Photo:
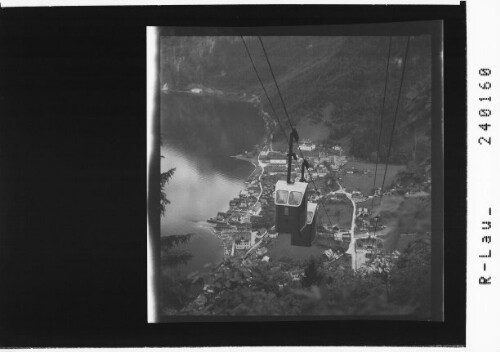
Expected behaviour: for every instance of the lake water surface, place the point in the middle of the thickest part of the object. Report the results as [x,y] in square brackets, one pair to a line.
[199,135]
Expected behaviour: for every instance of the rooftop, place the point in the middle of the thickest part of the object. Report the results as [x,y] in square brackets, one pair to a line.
[276,155]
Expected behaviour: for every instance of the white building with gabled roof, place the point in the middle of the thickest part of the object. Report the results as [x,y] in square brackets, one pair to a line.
[307,145]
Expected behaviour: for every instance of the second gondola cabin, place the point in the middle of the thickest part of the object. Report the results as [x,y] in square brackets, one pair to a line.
[307,232]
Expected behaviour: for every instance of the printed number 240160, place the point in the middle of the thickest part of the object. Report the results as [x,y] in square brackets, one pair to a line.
[485,111]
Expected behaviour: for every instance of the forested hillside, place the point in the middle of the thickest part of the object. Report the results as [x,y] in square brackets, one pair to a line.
[333,86]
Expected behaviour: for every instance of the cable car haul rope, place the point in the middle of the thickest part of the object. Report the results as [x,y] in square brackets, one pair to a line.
[294,213]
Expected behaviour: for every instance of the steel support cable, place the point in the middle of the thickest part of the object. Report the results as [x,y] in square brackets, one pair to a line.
[275,81]
[264,88]
[393,126]
[266,94]
[381,118]
[290,123]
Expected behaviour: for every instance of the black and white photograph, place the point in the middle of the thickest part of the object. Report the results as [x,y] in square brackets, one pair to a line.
[296,175]
[240,174]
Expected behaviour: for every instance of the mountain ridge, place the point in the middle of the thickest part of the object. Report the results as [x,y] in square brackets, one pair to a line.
[333,83]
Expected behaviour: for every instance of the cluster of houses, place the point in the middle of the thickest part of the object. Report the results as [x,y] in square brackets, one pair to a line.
[358,197]
[276,169]
[320,159]
[320,170]
[334,231]
[234,227]
[366,248]
[331,255]
[254,207]
[275,158]
[363,212]
[235,238]
[276,162]
[365,222]
[368,244]
[307,145]
[412,190]
[243,240]
[337,149]
[324,156]
[248,211]
[320,165]
[239,203]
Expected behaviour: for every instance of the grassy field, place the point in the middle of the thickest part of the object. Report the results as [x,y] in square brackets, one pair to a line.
[389,207]
[339,213]
[404,240]
[401,215]
[327,243]
[364,182]
[321,183]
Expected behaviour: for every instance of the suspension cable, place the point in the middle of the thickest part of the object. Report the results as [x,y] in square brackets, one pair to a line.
[275,82]
[393,126]
[381,118]
[263,87]
[291,125]
[266,94]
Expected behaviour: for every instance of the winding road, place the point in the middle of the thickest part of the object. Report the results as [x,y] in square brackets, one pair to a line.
[352,244]
[350,250]
[261,165]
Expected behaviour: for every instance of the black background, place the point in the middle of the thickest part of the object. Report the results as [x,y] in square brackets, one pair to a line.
[73,179]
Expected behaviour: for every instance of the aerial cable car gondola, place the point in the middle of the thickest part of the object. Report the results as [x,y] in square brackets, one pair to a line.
[294,213]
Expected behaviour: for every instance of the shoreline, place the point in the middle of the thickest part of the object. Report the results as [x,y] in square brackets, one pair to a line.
[250,160]
[254,161]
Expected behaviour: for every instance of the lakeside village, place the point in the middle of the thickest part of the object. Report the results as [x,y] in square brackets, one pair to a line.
[249,222]
[246,229]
